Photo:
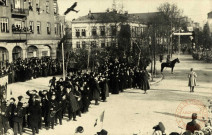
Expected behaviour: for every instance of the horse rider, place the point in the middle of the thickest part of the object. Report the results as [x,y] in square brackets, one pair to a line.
[168,59]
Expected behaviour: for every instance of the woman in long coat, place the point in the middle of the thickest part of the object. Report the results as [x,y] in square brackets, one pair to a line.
[145,85]
[192,80]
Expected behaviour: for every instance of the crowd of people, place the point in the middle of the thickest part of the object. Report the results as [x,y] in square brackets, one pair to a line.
[23,70]
[70,97]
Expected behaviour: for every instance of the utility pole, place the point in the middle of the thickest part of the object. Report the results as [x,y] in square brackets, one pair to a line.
[171,40]
[89,51]
[179,44]
[63,62]
[155,42]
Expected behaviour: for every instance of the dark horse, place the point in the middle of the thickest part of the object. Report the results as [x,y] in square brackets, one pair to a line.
[170,65]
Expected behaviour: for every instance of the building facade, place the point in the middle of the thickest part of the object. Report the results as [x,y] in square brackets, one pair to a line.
[102,29]
[30,28]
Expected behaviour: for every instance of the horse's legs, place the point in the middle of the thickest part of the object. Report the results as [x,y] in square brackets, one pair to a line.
[161,69]
[172,69]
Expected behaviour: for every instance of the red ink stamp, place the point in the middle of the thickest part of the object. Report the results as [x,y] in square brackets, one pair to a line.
[185,110]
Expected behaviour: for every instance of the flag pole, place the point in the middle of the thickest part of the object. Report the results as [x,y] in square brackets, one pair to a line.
[63,62]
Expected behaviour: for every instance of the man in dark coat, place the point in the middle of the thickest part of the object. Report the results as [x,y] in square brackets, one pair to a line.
[61,104]
[145,83]
[103,90]
[45,107]
[85,97]
[193,125]
[34,115]
[5,117]
[72,104]
[11,109]
[95,89]
[53,110]
[18,119]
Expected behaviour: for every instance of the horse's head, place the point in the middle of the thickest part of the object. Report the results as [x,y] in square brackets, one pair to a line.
[177,60]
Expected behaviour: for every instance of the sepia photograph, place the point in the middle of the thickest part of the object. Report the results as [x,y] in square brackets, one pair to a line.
[105,67]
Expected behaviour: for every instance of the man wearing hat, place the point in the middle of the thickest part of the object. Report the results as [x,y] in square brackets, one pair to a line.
[18,117]
[34,114]
[72,104]
[193,125]
[11,109]
[53,110]
[4,117]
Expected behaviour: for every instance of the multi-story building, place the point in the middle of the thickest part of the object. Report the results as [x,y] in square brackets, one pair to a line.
[29,28]
[210,21]
[101,29]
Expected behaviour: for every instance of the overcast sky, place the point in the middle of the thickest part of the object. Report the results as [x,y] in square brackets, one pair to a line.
[195,9]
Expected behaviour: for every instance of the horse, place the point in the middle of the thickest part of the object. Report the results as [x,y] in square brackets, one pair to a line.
[170,65]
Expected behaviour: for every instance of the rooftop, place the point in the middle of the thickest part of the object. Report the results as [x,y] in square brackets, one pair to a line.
[116,17]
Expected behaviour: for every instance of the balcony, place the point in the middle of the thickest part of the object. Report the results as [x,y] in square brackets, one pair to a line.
[19,30]
[19,13]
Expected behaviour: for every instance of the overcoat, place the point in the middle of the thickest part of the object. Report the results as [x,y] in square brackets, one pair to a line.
[72,102]
[192,79]
[145,84]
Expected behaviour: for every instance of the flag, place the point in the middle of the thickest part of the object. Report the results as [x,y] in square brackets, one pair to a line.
[102,116]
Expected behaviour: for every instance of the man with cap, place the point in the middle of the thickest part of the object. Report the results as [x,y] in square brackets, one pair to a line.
[193,125]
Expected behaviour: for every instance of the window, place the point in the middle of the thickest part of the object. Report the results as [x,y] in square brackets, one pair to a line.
[113,30]
[31,26]
[78,44]
[17,3]
[77,32]
[93,44]
[102,30]
[30,5]
[94,32]
[38,27]
[3,2]
[47,7]
[83,33]
[102,44]
[38,6]
[83,44]
[48,28]
[55,7]
[4,25]
[55,29]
